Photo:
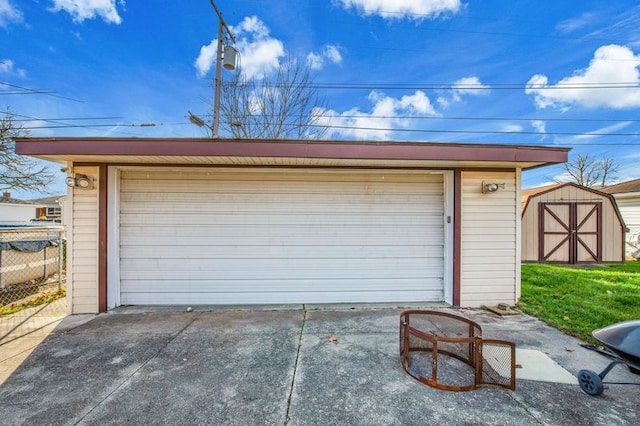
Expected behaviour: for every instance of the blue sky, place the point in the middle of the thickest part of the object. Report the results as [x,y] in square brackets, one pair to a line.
[554,73]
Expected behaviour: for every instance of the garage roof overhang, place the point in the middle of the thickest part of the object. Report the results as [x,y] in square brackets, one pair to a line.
[200,151]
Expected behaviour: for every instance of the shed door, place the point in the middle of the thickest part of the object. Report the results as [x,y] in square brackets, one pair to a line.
[240,237]
[570,232]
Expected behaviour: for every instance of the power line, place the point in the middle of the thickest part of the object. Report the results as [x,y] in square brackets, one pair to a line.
[438,117]
[68,126]
[441,86]
[28,90]
[473,132]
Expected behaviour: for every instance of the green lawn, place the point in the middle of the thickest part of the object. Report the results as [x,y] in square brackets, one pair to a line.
[578,300]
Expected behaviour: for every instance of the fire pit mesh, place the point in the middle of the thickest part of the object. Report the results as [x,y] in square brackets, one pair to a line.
[497,362]
[447,351]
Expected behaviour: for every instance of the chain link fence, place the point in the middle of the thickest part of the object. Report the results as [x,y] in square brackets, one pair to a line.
[31,267]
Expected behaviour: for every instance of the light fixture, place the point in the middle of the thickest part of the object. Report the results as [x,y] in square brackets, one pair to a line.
[489,187]
[195,119]
[80,181]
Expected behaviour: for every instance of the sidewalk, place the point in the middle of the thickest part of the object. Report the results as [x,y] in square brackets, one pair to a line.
[22,332]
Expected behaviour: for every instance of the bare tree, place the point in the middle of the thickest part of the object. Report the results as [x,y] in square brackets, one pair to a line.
[17,171]
[286,107]
[609,169]
[589,171]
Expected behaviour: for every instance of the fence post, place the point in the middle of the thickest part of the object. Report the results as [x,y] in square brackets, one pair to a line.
[60,252]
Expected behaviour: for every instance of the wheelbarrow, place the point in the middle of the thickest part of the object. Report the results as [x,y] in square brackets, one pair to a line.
[622,343]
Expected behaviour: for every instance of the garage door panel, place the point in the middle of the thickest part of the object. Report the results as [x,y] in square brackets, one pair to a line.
[262,298]
[406,219]
[296,237]
[311,206]
[289,241]
[214,196]
[207,251]
[220,286]
[284,269]
[391,233]
[287,181]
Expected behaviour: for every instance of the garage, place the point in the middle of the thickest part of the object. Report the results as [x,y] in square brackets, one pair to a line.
[241,236]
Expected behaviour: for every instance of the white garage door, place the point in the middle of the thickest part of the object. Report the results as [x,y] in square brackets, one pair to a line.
[241,237]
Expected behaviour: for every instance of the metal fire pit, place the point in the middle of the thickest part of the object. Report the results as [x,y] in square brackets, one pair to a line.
[446,351]
[623,343]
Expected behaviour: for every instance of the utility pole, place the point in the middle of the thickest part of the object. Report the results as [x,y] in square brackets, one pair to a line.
[222,25]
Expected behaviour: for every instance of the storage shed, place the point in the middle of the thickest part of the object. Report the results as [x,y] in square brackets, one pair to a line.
[569,223]
[202,221]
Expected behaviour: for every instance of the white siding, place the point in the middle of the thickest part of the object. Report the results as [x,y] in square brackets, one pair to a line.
[629,207]
[16,214]
[228,237]
[489,238]
[82,273]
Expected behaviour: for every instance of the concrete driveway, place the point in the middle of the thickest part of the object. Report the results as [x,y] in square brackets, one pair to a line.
[275,367]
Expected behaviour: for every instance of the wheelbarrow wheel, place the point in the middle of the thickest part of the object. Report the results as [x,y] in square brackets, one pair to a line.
[590,382]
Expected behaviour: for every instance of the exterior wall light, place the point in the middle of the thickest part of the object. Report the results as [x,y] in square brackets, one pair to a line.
[80,181]
[489,187]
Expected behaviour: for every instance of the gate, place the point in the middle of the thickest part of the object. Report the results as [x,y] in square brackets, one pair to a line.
[570,232]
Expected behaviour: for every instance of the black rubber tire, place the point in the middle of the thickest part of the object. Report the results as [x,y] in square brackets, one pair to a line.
[634,370]
[590,382]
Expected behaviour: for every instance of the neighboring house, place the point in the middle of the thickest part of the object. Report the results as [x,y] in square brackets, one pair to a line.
[569,223]
[16,212]
[202,221]
[627,195]
[51,209]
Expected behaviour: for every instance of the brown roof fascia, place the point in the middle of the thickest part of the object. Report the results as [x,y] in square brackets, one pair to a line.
[289,148]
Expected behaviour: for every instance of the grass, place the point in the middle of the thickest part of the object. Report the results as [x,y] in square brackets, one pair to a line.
[41,299]
[578,300]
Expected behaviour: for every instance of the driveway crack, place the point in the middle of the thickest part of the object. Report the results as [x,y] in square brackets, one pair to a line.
[130,376]
[528,409]
[295,365]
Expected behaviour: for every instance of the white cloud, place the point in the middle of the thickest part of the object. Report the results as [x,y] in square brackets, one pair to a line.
[259,52]
[576,23]
[8,67]
[466,86]
[329,53]
[603,130]
[539,126]
[8,13]
[611,65]
[90,9]
[398,9]
[378,124]
[206,58]
[511,128]
[332,53]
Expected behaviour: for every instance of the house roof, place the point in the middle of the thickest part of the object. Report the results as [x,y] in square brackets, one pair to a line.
[53,200]
[11,200]
[628,186]
[201,151]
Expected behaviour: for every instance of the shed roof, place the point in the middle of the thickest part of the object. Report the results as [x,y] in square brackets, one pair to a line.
[201,151]
[526,193]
